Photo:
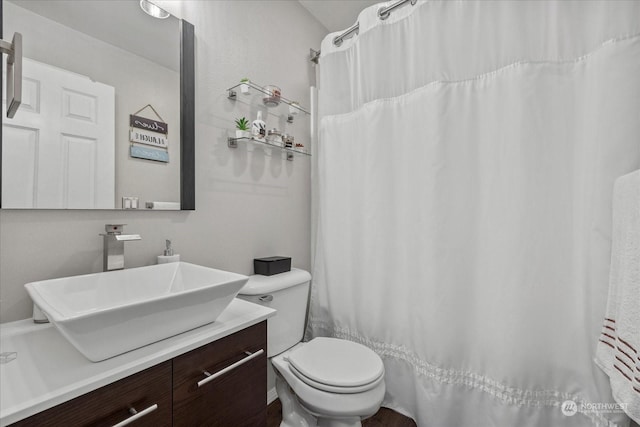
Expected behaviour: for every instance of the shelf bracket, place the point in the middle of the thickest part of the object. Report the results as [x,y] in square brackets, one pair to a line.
[314,55]
[232,94]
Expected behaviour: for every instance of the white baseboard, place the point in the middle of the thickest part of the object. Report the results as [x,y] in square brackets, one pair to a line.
[271,395]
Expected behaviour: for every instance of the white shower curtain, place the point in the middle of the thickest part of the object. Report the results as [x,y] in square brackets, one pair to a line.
[462,187]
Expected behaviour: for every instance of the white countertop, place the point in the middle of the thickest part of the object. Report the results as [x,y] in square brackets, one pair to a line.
[48,370]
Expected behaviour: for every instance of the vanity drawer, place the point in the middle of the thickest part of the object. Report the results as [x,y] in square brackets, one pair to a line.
[234,397]
[110,405]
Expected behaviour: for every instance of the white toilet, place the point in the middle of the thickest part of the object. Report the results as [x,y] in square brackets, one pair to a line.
[326,382]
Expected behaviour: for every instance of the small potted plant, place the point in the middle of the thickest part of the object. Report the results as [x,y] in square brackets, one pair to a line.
[242,128]
[244,87]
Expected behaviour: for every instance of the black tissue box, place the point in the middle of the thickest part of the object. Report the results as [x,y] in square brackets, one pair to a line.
[271,265]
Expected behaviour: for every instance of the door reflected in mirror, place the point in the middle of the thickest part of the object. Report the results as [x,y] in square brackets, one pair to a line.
[88,66]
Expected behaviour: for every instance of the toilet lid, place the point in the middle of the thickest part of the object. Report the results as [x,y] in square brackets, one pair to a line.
[336,362]
[336,389]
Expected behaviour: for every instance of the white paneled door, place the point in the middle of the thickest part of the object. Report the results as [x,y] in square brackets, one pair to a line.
[59,150]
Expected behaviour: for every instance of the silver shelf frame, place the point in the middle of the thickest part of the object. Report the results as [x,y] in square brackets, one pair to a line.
[291,152]
[232,94]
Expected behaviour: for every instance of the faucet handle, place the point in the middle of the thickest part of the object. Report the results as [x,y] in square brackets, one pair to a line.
[115,231]
[114,228]
[126,237]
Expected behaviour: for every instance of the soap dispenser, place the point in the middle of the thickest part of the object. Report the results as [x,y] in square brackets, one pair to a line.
[259,127]
[168,255]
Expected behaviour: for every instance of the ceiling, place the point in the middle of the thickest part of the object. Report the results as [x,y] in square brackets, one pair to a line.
[121,23]
[96,19]
[336,15]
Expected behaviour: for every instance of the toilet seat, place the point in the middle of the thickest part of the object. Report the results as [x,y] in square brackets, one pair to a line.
[336,365]
[335,389]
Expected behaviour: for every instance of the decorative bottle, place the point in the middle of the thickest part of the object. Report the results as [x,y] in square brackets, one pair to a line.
[259,127]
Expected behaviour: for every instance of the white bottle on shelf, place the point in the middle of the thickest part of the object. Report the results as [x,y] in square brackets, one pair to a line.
[259,127]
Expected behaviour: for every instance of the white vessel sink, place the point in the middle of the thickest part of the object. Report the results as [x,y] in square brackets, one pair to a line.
[106,314]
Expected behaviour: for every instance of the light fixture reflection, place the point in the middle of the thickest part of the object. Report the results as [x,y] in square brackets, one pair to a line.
[153,10]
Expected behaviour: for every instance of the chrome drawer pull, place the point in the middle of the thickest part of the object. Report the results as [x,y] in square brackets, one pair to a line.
[135,415]
[211,377]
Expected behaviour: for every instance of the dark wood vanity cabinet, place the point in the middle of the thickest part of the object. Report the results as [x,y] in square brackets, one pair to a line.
[235,396]
[112,404]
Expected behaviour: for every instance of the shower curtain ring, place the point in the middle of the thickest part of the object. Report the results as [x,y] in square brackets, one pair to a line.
[383,14]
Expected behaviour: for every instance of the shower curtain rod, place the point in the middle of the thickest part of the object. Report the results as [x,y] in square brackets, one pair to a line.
[383,13]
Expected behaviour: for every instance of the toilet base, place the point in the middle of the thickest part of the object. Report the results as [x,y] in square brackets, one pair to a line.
[293,414]
[296,415]
[347,422]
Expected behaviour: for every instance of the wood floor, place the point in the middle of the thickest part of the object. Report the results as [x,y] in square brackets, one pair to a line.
[383,418]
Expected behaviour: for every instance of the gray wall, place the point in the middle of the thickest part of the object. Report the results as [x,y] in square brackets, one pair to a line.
[249,203]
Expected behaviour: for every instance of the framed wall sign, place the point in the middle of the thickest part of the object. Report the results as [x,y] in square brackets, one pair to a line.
[148,124]
[148,132]
[141,136]
[149,153]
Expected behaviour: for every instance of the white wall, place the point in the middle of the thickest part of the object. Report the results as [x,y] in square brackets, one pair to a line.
[248,203]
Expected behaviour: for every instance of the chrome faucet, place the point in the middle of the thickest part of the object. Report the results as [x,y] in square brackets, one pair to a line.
[113,252]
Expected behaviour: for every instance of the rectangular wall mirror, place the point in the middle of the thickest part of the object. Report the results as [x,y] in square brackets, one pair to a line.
[107,113]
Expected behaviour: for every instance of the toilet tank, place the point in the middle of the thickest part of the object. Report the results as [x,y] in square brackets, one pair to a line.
[288,293]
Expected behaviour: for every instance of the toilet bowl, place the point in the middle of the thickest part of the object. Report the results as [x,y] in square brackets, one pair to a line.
[333,393]
[326,382]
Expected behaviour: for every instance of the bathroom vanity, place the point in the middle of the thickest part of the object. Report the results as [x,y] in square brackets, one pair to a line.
[173,382]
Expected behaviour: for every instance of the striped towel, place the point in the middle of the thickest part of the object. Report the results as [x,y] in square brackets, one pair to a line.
[618,349]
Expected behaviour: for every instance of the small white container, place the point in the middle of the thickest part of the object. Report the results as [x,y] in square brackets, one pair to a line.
[168,255]
[242,133]
[164,259]
[273,99]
